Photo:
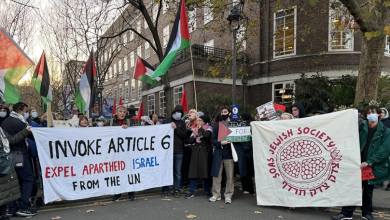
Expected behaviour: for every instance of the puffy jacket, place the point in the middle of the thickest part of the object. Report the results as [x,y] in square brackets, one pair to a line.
[180,131]
[378,152]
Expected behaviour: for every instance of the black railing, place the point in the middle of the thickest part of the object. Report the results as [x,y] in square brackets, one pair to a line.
[201,51]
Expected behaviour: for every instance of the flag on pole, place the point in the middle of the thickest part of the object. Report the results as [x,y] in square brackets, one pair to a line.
[86,92]
[184,102]
[179,40]
[41,80]
[114,109]
[120,101]
[13,64]
[140,114]
[143,70]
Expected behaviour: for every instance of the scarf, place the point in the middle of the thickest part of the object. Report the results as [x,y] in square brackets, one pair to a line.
[206,127]
[4,140]
[191,124]
[18,116]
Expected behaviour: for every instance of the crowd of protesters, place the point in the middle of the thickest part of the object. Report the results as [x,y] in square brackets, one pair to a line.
[199,161]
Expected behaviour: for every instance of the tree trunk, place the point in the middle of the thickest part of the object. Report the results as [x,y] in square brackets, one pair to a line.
[370,67]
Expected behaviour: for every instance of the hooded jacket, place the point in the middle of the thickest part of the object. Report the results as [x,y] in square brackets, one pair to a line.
[180,132]
[386,121]
[302,113]
[2,119]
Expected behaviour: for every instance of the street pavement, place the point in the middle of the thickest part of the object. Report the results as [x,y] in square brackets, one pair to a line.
[149,205]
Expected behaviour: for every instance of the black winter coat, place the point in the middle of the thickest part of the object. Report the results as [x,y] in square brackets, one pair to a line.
[202,156]
[180,131]
[13,126]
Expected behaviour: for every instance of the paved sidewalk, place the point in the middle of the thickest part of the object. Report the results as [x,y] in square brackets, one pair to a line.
[381,198]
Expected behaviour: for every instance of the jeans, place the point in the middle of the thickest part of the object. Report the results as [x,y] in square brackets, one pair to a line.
[26,182]
[367,202]
[177,162]
[206,185]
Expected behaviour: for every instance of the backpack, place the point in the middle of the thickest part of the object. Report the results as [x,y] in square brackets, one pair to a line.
[127,122]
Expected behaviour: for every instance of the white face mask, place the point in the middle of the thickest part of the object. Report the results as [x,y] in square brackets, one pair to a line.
[100,124]
[34,114]
[25,115]
[3,114]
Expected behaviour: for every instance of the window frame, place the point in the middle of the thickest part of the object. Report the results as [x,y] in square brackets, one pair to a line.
[165,36]
[295,34]
[174,93]
[147,50]
[151,111]
[283,88]
[330,31]
[163,104]
[192,20]
[209,12]
[132,59]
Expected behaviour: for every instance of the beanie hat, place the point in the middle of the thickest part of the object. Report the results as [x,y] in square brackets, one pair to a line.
[205,119]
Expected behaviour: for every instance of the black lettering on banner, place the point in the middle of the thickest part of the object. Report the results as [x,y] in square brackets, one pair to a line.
[81,142]
[51,149]
[74,185]
[71,150]
[133,178]
[145,148]
[138,143]
[152,142]
[98,146]
[120,142]
[82,185]
[90,148]
[128,142]
[163,144]
[112,146]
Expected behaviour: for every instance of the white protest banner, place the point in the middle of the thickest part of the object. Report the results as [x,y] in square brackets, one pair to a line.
[80,163]
[308,162]
[267,112]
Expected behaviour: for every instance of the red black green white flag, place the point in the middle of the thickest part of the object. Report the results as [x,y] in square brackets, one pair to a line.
[13,64]
[179,40]
[143,71]
[86,92]
[140,114]
[41,80]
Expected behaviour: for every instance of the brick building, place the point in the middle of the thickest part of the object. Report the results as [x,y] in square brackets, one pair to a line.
[288,41]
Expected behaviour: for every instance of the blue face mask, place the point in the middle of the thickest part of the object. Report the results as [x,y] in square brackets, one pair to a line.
[372,117]
[34,114]
[176,116]
[3,114]
[26,115]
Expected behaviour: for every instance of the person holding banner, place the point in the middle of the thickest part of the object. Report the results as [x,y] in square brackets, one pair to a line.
[83,121]
[374,149]
[179,134]
[223,158]
[119,120]
[201,156]
[13,125]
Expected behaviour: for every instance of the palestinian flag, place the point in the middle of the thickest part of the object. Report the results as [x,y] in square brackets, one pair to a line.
[140,114]
[41,80]
[179,40]
[143,70]
[13,64]
[86,92]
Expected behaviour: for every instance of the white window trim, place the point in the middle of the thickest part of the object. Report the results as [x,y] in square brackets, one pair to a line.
[150,111]
[161,109]
[192,20]
[329,34]
[165,44]
[206,21]
[295,34]
[174,94]
[147,50]
[387,53]
[284,83]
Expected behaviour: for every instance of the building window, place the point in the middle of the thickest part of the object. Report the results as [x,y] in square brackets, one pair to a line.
[166,36]
[235,2]
[120,65]
[165,6]
[209,47]
[139,27]
[124,39]
[155,12]
[145,24]
[115,92]
[192,21]
[340,31]
[109,73]
[147,50]
[151,104]
[208,12]
[177,94]
[241,38]
[131,35]
[139,51]
[283,92]
[133,91]
[126,91]
[126,64]
[114,73]
[120,90]
[387,49]
[285,32]
[163,107]
[139,90]
[132,59]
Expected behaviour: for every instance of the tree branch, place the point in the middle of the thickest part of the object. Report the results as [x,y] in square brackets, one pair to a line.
[356,11]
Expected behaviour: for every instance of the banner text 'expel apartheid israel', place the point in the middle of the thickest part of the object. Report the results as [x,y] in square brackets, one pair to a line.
[80,163]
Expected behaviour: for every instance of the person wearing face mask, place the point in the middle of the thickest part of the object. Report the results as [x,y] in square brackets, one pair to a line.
[223,160]
[178,144]
[34,115]
[384,119]
[374,152]
[15,123]
[4,114]
[100,121]
[298,111]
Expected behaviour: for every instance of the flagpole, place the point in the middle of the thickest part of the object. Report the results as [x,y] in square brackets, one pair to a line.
[193,76]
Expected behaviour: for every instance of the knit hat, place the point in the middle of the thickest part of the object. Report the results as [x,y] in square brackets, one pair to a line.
[200,113]
[101,118]
[205,118]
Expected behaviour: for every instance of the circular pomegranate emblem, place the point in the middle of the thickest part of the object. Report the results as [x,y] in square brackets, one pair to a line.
[305,163]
